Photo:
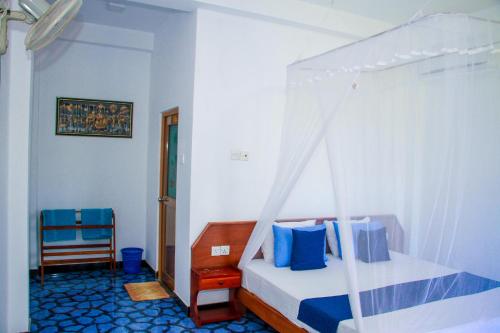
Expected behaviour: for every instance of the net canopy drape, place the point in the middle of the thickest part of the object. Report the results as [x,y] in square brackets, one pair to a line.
[411,121]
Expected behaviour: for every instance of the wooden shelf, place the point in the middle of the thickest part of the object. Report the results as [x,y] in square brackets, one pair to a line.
[77,246]
[75,250]
[217,314]
[75,261]
[73,253]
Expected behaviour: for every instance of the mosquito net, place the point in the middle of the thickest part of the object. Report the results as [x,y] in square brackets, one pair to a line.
[411,122]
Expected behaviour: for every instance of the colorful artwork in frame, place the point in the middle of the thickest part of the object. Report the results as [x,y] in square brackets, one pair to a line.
[93,117]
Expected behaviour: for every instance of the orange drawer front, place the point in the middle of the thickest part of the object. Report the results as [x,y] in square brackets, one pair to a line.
[220,283]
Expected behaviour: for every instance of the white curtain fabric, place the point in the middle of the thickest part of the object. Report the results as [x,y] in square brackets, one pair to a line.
[411,120]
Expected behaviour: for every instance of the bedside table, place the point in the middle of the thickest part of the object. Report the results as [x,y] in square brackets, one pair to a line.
[211,279]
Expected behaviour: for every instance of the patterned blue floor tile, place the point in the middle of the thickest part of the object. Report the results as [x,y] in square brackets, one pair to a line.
[95,301]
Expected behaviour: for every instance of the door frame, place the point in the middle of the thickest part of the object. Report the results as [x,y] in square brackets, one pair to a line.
[163,172]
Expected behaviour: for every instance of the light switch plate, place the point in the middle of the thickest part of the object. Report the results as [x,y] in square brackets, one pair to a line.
[215,251]
[224,250]
[235,155]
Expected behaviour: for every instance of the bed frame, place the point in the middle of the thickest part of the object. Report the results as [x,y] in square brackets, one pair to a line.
[267,313]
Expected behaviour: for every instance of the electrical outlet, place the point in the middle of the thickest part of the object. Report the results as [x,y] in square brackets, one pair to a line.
[237,155]
[215,251]
[224,250]
[244,156]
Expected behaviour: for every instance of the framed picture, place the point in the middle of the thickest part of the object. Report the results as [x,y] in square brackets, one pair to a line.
[94,117]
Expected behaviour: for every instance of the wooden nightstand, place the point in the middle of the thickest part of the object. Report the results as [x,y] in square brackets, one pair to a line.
[210,279]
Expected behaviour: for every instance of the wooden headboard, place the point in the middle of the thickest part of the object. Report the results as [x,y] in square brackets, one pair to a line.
[234,234]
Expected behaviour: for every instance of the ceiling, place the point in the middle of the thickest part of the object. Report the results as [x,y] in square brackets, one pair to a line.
[123,14]
[400,11]
[136,16]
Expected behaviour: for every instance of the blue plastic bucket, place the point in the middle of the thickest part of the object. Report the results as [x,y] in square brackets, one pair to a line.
[132,258]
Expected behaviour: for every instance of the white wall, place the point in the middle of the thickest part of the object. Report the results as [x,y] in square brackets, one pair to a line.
[15,101]
[172,79]
[239,88]
[87,172]
[3,190]
[239,105]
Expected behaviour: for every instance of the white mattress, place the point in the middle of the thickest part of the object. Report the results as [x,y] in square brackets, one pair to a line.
[284,289]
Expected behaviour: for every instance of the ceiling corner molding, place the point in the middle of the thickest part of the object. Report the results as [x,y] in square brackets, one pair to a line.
[293,12]
[96,34]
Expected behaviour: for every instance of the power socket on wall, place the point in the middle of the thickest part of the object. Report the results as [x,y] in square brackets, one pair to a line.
[222,250]
[215,251]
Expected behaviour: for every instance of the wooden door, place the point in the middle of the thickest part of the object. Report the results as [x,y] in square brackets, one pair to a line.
[167,198]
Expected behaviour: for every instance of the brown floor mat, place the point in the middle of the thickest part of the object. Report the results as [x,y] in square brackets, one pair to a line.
[146,291]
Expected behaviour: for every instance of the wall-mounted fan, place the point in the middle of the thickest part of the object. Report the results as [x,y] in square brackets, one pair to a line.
[48,20]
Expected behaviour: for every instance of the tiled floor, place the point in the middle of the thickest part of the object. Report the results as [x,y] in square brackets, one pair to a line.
[95,301]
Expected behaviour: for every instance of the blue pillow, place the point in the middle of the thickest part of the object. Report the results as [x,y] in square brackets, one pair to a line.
[283,244]
[337,234]
[313,228]
[308,248]
[372,245]
[356,228]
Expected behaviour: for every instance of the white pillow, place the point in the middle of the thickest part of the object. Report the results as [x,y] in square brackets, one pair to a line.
[268,245]
[332,238]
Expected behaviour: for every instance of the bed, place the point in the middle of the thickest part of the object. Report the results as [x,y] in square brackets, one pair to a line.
[275,294]
[283,290]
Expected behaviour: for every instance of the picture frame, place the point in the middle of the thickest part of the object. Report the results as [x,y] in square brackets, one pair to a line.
[94,117]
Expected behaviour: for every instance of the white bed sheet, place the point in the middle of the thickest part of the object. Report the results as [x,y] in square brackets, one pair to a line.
[284,289]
